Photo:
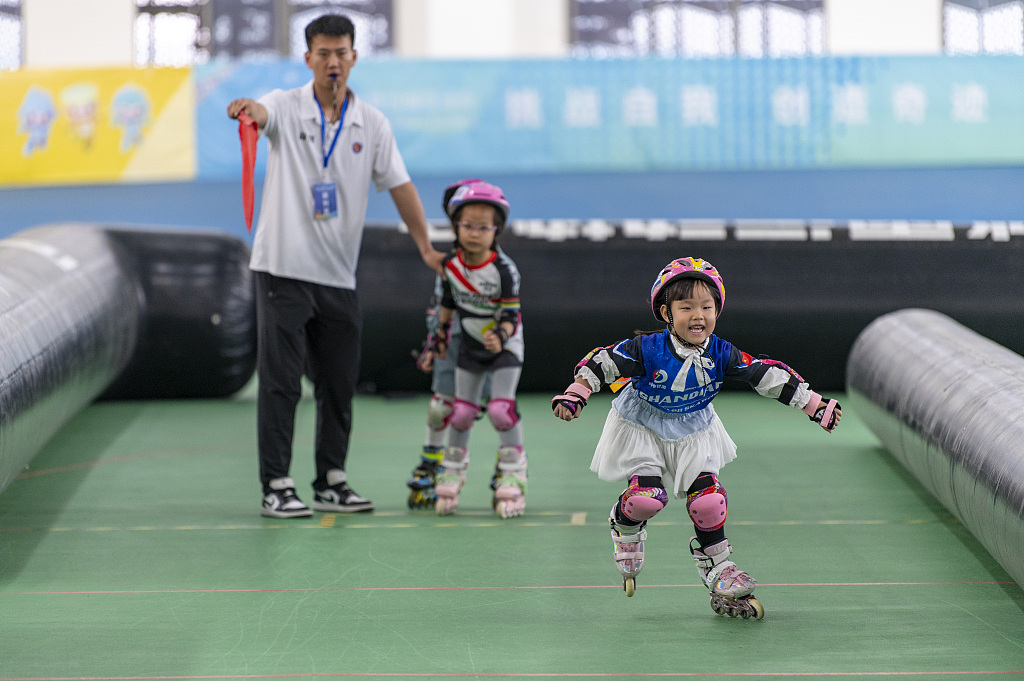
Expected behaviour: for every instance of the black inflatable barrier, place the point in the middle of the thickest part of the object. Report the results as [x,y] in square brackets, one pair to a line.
[198,321]
[87,310]
[798,291]
[947,403]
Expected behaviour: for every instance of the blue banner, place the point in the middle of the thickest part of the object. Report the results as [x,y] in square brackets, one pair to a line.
[468,117]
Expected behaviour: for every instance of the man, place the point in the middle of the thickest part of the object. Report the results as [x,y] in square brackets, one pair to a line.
[325,149]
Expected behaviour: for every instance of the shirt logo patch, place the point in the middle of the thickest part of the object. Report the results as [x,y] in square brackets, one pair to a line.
[357,147]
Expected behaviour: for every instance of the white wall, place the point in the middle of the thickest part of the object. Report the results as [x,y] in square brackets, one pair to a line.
[78,33]
[883,27]
[481,29]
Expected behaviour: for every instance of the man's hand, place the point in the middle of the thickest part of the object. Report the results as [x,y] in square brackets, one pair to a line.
[433,259]
[256,111]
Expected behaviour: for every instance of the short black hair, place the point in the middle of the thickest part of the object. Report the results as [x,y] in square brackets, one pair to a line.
[334,25]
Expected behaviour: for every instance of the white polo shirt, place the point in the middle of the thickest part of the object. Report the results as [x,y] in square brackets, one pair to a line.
[289,241]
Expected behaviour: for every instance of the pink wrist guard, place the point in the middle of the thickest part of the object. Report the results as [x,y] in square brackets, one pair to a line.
[577,389]
[812,404]
[574,398]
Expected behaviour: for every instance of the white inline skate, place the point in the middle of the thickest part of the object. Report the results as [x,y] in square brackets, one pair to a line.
[449,480]
[509,483]
[731,588]
[629,551]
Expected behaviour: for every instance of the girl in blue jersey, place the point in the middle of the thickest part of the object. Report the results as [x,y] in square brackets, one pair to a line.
[481,294]
[662,434]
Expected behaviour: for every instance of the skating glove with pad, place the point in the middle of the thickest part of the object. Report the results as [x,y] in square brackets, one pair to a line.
[574,399]
[826,413]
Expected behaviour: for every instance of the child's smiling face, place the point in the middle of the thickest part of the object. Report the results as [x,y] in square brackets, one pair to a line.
[693,317]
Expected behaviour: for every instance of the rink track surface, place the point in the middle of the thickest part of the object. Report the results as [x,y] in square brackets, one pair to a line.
[132,548]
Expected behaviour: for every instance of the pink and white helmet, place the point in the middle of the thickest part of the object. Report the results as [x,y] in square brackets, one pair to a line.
[449,191]
[476,191]
[686,267]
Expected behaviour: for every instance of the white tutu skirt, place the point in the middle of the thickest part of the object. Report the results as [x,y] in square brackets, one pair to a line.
[627,449]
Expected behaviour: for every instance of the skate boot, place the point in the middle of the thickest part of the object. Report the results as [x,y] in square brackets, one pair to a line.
[496,476]
[449,480]
[628,541]
[730,587]
[421,483]
[510,486]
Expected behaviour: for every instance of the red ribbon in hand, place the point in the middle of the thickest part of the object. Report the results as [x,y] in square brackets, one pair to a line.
[248,133]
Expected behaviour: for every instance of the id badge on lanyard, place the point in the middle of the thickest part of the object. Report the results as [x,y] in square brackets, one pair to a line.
[325,193]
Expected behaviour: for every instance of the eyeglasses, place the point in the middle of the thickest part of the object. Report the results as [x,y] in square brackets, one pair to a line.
[476,228]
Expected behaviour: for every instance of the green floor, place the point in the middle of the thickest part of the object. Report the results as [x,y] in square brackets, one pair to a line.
[133,548]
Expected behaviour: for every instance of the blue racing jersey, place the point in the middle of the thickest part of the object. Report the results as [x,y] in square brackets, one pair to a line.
[668,387]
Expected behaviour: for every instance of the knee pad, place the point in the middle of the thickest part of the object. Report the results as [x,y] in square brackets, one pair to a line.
[643,499]
[463,414]
[708,505]
[503,413]
[439,412]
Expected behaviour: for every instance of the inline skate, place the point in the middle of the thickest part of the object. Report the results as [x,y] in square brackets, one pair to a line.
[731,588]
[421,482]
[450,478]
[509,482]
[628,541]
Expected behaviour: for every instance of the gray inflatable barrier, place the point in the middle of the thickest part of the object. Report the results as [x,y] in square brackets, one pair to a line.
[89,311]
[949,404]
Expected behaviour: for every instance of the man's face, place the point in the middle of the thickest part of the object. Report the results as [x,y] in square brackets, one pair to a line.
[331,56]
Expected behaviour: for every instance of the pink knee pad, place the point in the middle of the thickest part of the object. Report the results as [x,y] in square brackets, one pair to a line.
[640,502]
[503,413]
[463,414]
[708,507]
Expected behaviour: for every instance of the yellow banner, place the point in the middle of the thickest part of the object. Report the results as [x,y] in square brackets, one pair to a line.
[97,125]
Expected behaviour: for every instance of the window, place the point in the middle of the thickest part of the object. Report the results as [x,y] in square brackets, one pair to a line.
[372,19]
[697,28]
[10,34]
[983,26]
[167,33]
[187,32]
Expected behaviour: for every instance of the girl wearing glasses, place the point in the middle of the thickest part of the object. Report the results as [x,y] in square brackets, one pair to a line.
[481,284]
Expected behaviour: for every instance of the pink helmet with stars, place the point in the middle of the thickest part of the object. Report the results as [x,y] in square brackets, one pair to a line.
[686,267]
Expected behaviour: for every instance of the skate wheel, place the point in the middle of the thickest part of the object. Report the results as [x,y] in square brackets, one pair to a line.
[417,499]
[717,607]
[444,506]
[629,585]
[758,608]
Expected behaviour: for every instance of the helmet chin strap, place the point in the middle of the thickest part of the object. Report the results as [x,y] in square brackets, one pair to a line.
[672,330]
